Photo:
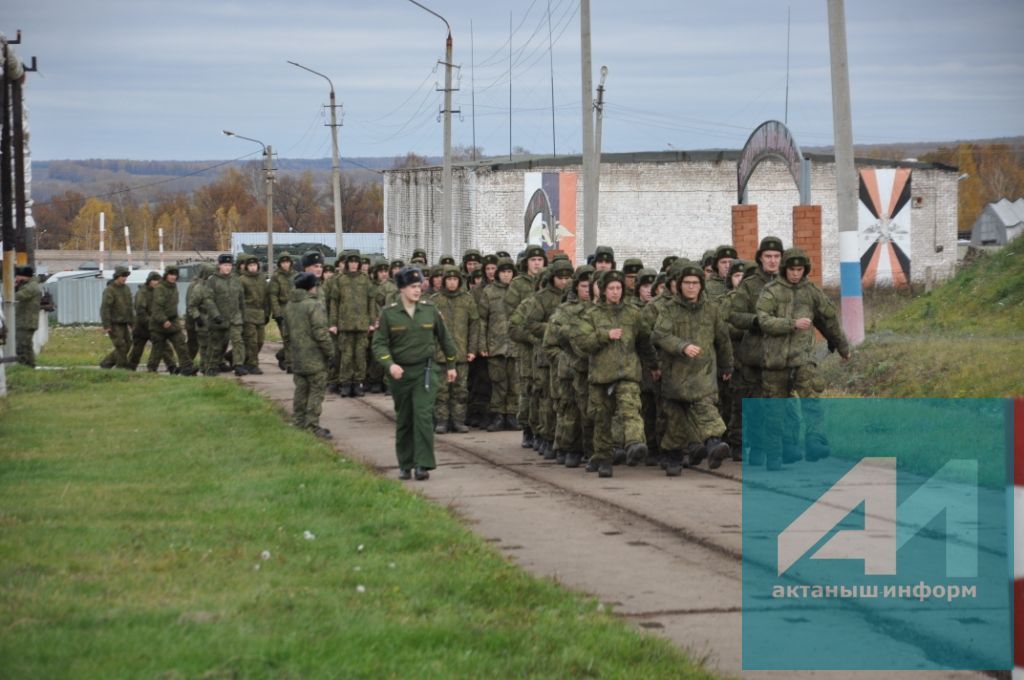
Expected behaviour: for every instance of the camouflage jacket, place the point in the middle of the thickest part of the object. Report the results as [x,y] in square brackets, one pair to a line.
[281,285]
[681,323]
[494,314]
[143,299]
[462,320]
[256,298]
[743,315]
[780,305]
[521,289]
[536,316]
[163,306]
[27,300]
[715,287]
[116,306]
[227,300]
[352,306]
[557,338]
[311,344]
[198,302]
[613,360]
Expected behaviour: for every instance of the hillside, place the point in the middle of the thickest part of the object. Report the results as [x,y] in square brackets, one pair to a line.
[963,339]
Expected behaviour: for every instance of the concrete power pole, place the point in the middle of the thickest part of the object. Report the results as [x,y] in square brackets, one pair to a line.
[446,170]
[269,168]
[589,190]
[595,166]
[852,300]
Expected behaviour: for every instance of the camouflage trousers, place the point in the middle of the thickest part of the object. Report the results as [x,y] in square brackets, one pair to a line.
[285,353]
[781,427]
[374,370]
[649,412]
[23,347]
[192,338]
[121,339]
[352,346]
[569,411]
[219,339]
[252,337]
[479,389]
[610,403]
[308,399]
[452,397]
[542,412]
[689,422]
[165,340]
[524,362]
[504,376]
[745,384]
[140,337]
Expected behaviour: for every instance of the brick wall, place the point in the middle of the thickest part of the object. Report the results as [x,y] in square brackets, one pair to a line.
[807,236]
[745,230]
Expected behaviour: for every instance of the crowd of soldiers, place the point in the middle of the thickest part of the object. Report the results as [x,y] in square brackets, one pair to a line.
[596,365]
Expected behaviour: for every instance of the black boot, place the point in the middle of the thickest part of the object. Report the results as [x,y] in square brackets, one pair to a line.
[817,447]
[254,370]
[511,422]
[673,463]
[604,469]
[241,370]
[458,426]
[560,456]
[497,423]
[549,451]
[527,442]
[422,474]
[537,443]
[695,454]
[618,456]
[357,389]
[572,459]
[404,473]
[441,427]
[591,465]
[636,454]
[718,451]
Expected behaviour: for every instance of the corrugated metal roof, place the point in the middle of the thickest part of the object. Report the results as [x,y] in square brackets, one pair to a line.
[1010,214]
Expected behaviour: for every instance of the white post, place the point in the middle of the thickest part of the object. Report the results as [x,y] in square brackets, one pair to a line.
[103,228]
[160,232]
[128,245]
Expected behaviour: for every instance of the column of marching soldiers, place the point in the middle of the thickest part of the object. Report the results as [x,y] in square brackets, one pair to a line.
[596,366]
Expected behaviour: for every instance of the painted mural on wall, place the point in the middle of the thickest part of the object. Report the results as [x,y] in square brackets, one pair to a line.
[549,202]
[884,226]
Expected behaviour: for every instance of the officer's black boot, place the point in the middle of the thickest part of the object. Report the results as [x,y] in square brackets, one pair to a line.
[404,473]
[572,459]
[717,452]
[511,422]
[636,454]
[817,447]
[497,423]
[422,474]
[673,461]
[527,442]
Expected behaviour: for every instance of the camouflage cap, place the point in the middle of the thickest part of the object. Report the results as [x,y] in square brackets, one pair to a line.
[471,255]
[365,260]
[397,263]
[306,281]
[225,258]
[121,271]
[330,268]
[506,263]
[769,243]
[379,263]
[691,269]
[604,254]
[707,258]
[582,273]
[646,275]
[446,260]
[794,257]
[667,262]
[535,251]
[724,251]
[632,265]
[744,267]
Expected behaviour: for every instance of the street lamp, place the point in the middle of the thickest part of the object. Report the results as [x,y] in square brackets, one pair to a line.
[335,167]
[446,168]
[268,168]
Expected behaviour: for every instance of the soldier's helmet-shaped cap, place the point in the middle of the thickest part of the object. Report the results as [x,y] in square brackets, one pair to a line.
[225,258]
[171,270]
[646,275]
[450,271]
[707,258]
[535,251]
[329,268]
[284,256]
[351,255]
[691,269]
[794,257]
[503,253]
[446,260]
[582,273]
[604,254]
[379,263]
[155,276]
[632,265]
[667,262]
[471,255]
[121,271]
[418,255]
[311,258]
[769,243]
[560,268]
[724,251]
[398,263]
[490,259]
[506,263]
[305,281]
[408,276]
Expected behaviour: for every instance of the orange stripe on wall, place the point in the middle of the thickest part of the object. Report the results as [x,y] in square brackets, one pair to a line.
[871,183]
[567,212]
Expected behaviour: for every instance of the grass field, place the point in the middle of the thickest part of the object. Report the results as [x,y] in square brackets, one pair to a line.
[176,527]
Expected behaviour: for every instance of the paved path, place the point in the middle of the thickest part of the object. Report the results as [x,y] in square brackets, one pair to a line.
[661,552]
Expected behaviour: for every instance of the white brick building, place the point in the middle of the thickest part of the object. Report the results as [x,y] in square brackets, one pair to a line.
[653,204]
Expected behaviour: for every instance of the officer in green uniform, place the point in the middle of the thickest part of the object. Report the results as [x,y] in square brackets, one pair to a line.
[312,352]
[118,318]
[28,299]
[406,339]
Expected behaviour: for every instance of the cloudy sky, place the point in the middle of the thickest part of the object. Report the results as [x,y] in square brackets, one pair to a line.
[154,79]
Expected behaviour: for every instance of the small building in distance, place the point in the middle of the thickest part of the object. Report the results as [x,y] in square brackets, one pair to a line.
[999,223]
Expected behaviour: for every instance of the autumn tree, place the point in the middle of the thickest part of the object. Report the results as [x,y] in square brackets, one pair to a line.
[226,222]
[84,230]
[53,218]
[297,201]
[229,191]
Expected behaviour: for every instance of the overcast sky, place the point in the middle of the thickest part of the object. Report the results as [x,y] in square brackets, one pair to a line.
[149,79]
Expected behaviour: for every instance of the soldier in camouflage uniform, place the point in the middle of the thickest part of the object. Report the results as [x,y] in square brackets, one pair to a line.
[537,312]
[117,317]
[715,285]
[312,351]
[706,261]
[738,270]
[750,360]
[383,286]
[651,312]
[281,284]
[574,429]
[522,288]
[462,319]
[140,331]
[256,312]
[649,392]
[630,268]
[615,337]
[165,328]
[197,304]
[226,305]
[692,337]
[604,258]
[788,310]
[351,310]
[418,257]
[28,299]
[479,373]
[497,347]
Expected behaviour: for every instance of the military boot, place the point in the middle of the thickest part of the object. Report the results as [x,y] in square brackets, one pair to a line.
[405,474]
[817,447]
[791,452]
[497,423]
[717,452]
[511,422]
[422,474]
[537,444]
[527,442]
[604,469]
[591,465]
[254,370]
[549,451]
[653,457]
[673,463]
[357,389]
[560,456]
[572,459]
[636,454]
[241,370]
[694,455]
[441,427]
[458,426]
[618,456]
[321,432]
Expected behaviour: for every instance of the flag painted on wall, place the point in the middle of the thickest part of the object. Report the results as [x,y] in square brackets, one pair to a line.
[549,203]
[884,226]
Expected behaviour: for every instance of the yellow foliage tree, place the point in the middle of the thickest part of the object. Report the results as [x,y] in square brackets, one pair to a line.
[226,222]
[84,230]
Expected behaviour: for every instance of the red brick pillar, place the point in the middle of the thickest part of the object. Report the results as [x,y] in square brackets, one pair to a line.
[807,236]
[744,230]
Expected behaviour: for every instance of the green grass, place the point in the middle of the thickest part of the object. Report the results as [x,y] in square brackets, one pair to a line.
[134,510]
[75,346]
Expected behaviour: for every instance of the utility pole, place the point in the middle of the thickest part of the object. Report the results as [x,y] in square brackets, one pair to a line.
[599,111]
[269,169]
[852,301]
[335,165]
[551,64]
[472,83]
[589,190]
[510,85]
[6,221]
